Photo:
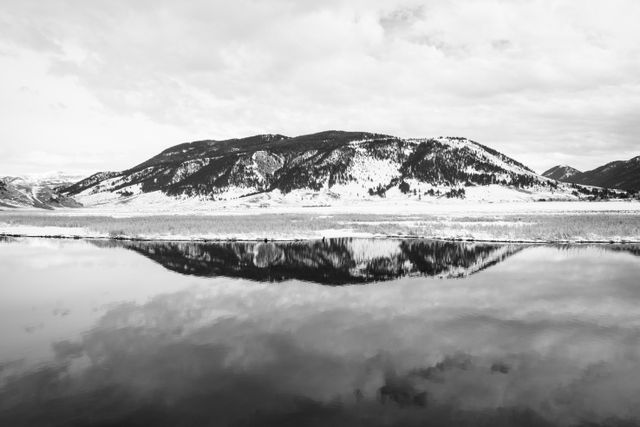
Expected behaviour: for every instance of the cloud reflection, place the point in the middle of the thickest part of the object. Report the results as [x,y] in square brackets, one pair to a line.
[506,347]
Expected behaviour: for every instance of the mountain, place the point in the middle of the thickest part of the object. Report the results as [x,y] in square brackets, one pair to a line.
[329,165]
[38,191]
[620,174]
[561,173]
[331,262]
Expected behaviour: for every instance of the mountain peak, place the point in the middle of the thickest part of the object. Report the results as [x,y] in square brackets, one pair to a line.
[561,172]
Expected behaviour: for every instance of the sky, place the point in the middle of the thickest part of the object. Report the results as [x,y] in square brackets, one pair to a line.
[92,85]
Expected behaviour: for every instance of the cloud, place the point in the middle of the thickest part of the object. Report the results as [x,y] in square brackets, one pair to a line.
[532,80]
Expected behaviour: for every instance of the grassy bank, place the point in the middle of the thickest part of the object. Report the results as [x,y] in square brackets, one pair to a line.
[511,227]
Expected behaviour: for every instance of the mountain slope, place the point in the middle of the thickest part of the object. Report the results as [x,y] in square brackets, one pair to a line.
[620,174]
[335,164]
[561,173]
[36,191]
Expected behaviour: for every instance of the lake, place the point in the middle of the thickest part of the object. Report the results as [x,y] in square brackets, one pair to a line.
[342,332]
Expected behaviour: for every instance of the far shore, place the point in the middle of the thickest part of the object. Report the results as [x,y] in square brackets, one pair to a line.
[285,240]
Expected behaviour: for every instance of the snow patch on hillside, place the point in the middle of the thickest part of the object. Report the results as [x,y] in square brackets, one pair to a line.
[481,153]
[365,168]
[188,168]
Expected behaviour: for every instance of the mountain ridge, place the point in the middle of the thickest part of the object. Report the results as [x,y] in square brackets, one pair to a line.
[342,164]
[622,174]
[315,169]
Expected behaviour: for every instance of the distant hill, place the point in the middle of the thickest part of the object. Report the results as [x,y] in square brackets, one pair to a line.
[319,169]
[620,174]
[561,173]
[38,191]
[336,164]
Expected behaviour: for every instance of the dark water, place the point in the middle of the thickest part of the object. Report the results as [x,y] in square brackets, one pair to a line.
[337,333]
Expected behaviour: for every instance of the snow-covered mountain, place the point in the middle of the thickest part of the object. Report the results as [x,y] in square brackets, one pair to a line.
[39,191]
[324,166]
[623,174]
[561,173]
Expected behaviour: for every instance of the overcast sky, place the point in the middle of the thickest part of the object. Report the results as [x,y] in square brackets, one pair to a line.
[90,85]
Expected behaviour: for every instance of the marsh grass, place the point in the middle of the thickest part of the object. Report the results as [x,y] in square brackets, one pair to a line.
[543,227]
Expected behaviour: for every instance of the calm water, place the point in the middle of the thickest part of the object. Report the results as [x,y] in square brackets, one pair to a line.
[345,332]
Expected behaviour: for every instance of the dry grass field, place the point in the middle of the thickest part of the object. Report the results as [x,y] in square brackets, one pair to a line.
[601,227]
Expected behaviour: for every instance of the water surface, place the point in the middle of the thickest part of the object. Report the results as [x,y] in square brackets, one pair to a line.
[341,332]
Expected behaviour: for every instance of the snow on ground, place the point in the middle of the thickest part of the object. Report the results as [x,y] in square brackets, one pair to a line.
[499,193]
[48,231]
[480,201]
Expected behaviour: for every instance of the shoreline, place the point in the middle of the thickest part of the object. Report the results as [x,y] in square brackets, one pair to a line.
[309,239]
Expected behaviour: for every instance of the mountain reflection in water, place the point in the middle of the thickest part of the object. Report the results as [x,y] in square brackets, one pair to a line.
[332,262]
[550,336]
